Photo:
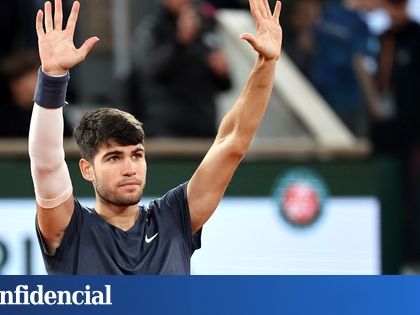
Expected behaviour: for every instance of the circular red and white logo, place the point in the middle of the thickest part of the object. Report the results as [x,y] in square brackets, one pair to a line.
[300,203]
[301,194]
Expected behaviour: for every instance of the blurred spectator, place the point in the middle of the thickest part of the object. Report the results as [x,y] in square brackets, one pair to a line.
[339,69]
[21,72]
[181,69]
[17,25]
[299,38]
[17,31]
[399,84]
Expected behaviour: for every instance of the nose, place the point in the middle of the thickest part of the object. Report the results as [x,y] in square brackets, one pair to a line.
[129,168]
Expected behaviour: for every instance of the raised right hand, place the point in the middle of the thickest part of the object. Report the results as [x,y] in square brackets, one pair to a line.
[56,48]
[268,39]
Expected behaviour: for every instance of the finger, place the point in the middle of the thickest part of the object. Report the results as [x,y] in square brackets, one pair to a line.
[71,23]
[254,9]
[48,17]
[39,29]
[277,10]
[250,39]
[58,15]
[262,5]
[267,7]
[87,46]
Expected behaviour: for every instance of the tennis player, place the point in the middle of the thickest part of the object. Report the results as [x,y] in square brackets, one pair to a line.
[118,236]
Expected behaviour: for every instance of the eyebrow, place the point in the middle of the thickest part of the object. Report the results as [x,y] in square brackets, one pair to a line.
[119,153]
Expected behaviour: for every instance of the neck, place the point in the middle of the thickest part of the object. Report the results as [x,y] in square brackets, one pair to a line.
[122,217]
[400,25]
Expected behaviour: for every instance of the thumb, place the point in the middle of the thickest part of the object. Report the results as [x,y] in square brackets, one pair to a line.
[88,45]
[250,39]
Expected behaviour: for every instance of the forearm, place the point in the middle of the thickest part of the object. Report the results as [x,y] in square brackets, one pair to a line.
[368,87]
[242,121]
[48,168]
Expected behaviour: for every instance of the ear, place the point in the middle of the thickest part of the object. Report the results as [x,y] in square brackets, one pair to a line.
[86,168]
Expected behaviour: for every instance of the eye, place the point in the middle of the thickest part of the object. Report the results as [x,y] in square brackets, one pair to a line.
[114,158]
[138,156]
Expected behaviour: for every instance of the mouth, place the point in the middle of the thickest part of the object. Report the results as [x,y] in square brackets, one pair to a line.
[130,183]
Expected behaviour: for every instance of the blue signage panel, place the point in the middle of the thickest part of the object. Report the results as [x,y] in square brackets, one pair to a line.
[209,295]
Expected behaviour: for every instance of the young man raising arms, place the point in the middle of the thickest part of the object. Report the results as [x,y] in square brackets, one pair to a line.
[117,236]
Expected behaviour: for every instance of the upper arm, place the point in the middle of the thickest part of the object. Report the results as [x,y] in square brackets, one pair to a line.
[53,222]
[209,182]
[54,198]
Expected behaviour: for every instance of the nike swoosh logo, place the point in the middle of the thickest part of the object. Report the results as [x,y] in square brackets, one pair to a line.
[148,240]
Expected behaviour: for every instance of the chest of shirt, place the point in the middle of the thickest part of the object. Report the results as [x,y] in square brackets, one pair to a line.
[152,246]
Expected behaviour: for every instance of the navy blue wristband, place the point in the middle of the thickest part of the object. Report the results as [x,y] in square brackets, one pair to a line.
[50,92]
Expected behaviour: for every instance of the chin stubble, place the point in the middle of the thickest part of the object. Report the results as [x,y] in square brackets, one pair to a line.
[119,200]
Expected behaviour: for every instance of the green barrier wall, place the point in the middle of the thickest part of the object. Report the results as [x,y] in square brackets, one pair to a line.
[364,177]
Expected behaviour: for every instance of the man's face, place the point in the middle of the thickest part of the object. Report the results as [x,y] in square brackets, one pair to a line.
[397,12]
[23,88]
[306,14]
[366,5]
[175,5]
[119,174]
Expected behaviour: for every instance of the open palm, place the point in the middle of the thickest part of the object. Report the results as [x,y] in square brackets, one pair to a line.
[56,48]
[267,41]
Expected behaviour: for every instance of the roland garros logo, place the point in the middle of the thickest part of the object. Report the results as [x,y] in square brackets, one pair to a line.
[300,194]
